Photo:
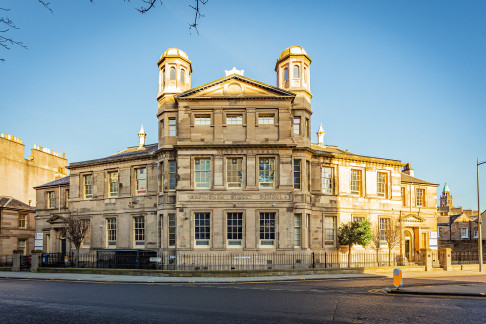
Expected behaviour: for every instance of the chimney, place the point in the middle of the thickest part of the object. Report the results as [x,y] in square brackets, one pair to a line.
[320,136]
[407,169]
[141,136]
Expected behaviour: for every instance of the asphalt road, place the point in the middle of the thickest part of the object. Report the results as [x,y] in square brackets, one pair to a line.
[332,300]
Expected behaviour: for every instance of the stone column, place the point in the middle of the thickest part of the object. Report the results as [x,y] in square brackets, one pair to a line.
[36,260]
[17,255]
[426,258]
[446,259]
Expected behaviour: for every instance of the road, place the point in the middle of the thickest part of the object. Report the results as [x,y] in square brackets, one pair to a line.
[322,301]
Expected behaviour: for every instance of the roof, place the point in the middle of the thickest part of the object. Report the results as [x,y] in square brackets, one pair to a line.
[410,179]
[12,203]
[58,182]
[128,154]
[330,149]
[281,92]
[446,188]
[292,50]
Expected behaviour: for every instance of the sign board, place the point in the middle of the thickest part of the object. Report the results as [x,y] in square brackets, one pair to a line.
[171,257]
[38,243]
[155,259]
[433,240]
[397,278]
[241,257]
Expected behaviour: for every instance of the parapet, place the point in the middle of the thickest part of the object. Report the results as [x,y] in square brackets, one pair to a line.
[11,138]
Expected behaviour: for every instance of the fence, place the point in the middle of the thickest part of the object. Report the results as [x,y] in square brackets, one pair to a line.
[6,260]
[140,259]
[466,257]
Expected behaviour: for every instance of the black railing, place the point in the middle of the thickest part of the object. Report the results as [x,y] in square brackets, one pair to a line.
[466,257]
[6,260]
[141,259]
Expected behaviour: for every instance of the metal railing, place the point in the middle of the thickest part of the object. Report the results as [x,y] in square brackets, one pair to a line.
[465,257]
[140,259]
[6,260]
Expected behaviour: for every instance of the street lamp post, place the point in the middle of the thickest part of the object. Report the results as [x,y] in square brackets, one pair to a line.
[480,236]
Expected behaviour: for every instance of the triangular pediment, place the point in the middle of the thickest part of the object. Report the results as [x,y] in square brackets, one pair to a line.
[235,86]
[412,218]
[463,218]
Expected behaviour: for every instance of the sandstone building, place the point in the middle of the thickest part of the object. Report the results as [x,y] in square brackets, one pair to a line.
[19,176]
[17,226]
[234,170]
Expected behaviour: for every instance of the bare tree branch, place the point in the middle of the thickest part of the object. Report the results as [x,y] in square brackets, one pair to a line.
[197,14]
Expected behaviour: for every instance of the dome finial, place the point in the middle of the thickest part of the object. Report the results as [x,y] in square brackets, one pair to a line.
[320,136]
[446,188]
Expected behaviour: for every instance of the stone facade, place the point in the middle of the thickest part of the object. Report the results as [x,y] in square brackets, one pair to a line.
[20,175]
[17,225]
[234,170]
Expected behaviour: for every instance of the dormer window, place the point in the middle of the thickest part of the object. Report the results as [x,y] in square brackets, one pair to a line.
[182,75]
[296,72]
[172,73]
[286,74]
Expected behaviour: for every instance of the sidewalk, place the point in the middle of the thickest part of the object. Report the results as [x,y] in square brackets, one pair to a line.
[158,279]
[462,290]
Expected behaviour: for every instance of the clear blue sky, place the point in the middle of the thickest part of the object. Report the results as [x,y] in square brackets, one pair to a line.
[395,79]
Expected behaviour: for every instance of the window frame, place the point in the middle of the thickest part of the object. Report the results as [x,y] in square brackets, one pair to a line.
[182,76]
[297,233]
[172,174]
[204,229]
[23,247]
[50,199]
[384,183]
[139,230]
[403,193]
[230,119]
[202,174]
[235,229]
[266,119]
[202,120]
[272,184]
[358,181]
[86,242]
[383,222]
[231,177]
[267,227]
[330,231]
[139,190]
[297,173]
[87,195]
[172,126]
[296,71]
[111,231]
[171,229]
[66,198]
[466,231]
[23,221]
[172,73]
[286,74]
[296,125]
[420,198]
[324,188]
[111,185]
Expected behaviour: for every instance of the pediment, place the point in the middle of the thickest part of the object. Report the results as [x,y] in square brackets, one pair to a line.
[235,86]
[412,218]
[463,218]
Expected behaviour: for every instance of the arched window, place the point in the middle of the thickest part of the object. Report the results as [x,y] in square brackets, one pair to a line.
[172,73]
[286,74]
[305,75]
[163,76]
[182,75]
[296,72]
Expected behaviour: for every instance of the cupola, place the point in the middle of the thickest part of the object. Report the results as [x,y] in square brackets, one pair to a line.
[175,70]
[293,71]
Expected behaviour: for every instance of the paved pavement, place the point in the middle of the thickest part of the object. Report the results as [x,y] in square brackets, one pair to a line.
[467,290]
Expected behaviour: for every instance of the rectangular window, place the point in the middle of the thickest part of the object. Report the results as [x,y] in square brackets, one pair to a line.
[381,184]
[329,230]
[202,228]
[111,231]
[66,198]
[356,182]
[267,172]
[420,194]
[172,230]
[475,234]
[202,120]
[139,230]
[307,127]
[160,177]
[141,184]
[88,186]
[234,172]
[87,235]
[22,221]
[296,126]
[234,228]
[327,180]
[266,119]
[297,229]
[113,184]
[234,119]
[383,228]
[308,170]
[172,175]
[22,246]
[267,229]
[297,174]
[51,200]
[404,199]
[172,127]
[358,218]
[464,232]
[202,173]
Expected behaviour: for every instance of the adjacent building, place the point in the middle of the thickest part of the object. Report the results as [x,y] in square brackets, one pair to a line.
[17,226]
[234,171]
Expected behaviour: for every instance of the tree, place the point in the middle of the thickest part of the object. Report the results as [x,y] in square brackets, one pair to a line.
[376,240]
[392,235]
[75,230]
[357,232]
[7,25]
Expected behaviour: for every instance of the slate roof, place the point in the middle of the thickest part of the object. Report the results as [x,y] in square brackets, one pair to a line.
[11,203]
[410,179]
[447,220]
[58,182]
[128,154]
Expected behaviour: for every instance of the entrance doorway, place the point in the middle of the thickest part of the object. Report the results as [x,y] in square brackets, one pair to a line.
[408,245]
[63,247]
